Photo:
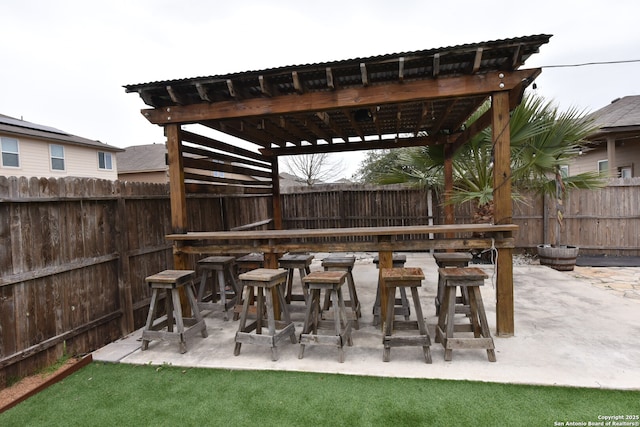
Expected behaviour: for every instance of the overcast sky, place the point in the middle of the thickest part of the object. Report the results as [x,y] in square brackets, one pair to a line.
[64,62]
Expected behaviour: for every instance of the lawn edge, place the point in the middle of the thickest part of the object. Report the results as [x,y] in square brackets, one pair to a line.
[50,381]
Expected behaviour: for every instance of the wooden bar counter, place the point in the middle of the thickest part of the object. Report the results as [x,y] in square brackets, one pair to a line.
[384,240]
[381,239]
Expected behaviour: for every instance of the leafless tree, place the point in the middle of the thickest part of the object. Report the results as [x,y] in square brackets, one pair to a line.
[314,168]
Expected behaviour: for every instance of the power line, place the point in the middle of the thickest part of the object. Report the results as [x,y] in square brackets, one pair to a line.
[584,64]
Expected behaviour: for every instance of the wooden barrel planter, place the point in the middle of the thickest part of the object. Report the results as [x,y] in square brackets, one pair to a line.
[561,258]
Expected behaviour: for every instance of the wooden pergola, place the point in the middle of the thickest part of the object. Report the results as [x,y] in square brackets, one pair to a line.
[389,101]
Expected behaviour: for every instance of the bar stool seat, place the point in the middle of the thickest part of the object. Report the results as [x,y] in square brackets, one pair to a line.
[400,278]
[452,259]
[170,281]
[293,262]
[260,283]
[330,282]
[346,264]
[470,278]
[221,270]
[250,262]
[401,305]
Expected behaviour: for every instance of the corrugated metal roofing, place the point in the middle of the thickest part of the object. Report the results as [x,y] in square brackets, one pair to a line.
[435,116]
[450,50]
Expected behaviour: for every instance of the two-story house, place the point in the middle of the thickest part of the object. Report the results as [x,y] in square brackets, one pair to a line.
[615,147]
[34,150]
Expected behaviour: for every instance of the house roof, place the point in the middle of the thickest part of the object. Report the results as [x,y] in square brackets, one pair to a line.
[142,158]
[622,115]
[20,127]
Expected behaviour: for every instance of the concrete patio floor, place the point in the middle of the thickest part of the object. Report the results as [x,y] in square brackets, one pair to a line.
[570,330]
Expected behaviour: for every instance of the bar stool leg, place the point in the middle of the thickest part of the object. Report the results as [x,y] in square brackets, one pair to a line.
[310,311]
[285,311]
[450,298]
[259,310]
[243,317]
[203,283]
[388,323]
[337,321]
[421,324]
[343,312]
[289,285]
[303,272]
[405,303]
[484,326]
[178,316]
[191,297]
[223,294]
[354,297]
[271,323]
[168,307]
[150,316]
[354,302]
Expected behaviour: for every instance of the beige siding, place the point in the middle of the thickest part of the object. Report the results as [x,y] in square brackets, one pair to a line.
[588,162]
[627,155]
[157,177]
[79,161]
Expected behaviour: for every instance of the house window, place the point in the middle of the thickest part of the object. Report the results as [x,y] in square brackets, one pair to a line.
[104,160]
[564,171]
[626,172]
[603,167]
[10,153]
[57,157]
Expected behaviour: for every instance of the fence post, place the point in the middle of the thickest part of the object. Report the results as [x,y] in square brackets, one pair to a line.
[124,276]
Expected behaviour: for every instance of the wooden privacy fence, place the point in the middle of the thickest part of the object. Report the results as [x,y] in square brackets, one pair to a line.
[73,257]
[603,221]
[74,252]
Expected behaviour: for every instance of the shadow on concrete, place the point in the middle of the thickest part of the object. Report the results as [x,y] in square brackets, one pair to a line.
[607,261]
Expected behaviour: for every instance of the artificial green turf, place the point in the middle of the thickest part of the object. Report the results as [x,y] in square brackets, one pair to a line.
[123,395]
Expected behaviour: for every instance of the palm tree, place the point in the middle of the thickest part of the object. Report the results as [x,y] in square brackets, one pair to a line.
[543,140]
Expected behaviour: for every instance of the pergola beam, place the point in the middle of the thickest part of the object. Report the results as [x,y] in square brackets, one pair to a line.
[353,97]
[377,144]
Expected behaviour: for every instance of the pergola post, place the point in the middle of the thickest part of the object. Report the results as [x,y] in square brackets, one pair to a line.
[448,186]
[177,192]
[503,209]
[275,199]
[270,259]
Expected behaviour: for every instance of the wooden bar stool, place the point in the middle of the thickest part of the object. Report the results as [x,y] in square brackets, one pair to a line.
[344,263]
[221,270]
[170,281]
[293,262]
[401,305]
[470,278]
[260,283]
[452,259]
[401,278]
[330,282]
[249,262]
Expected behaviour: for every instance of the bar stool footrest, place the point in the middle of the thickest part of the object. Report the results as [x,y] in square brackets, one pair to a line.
[406,340]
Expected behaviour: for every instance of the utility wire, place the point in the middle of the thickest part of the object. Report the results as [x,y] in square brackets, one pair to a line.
[584,64]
